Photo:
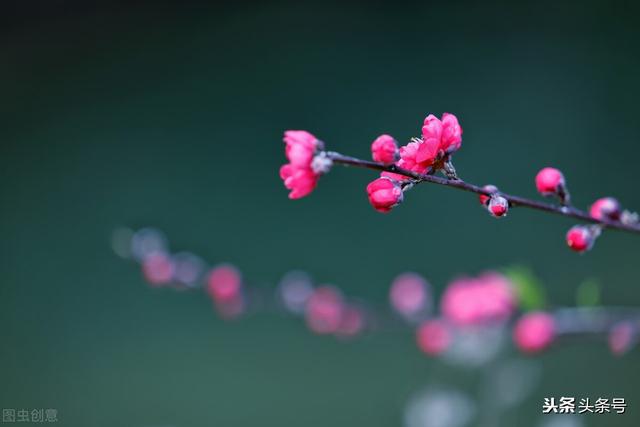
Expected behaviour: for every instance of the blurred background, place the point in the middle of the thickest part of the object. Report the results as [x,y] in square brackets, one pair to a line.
[171,115]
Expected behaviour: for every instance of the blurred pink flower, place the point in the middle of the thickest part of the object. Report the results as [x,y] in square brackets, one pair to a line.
[433,337]
[351,322]
[534,332]
[158,269]
[621,337]
[408,294]
[224,283]
[324,310]
[468,301]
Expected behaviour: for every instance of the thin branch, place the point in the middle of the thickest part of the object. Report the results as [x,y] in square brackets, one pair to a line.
[566,211]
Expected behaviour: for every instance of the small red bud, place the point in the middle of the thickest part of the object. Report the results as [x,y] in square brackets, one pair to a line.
[580,238]
[498,206]
[606,208]
[491,189]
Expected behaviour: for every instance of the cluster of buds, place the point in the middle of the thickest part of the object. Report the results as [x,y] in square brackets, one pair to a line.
[469,306]
[404,166]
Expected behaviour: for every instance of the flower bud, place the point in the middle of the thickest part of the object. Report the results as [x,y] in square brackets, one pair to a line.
[385,150]
[491,189]
[433,337]
[498,206]
[580,238]
[534,332]
[384,194]
[550,181]
[606,208]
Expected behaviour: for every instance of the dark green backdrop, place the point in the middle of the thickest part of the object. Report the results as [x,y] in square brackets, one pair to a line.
[172,116]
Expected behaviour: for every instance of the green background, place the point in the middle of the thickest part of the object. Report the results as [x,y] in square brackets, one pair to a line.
[172,116]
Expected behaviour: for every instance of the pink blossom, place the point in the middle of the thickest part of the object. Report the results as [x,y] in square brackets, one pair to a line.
[433,337]
[412,159]
[301,181]
[385,149]
[549,181]
[534,332]
[384,193]
[301,174]
[351,322]
[300,148]
[324,310]
[468,301]
[606,208]
[408,294]
[451,134]
[158,269]
[224,283]
[580,238]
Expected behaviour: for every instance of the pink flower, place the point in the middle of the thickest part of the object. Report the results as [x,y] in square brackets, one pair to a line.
[408,294]
[300,148]
[158,269]
[451,134]
[440,137]
[324,310]
[549,181]
[411,159]
[385,149]
[306,163]
[534,332]
[433,337]
[224,283]
[384,193]
[470,301]
[606,208]
[352,322]
[301,181]
[580,238]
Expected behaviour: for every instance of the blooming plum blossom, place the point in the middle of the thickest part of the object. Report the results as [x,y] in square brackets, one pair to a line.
[301,174]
